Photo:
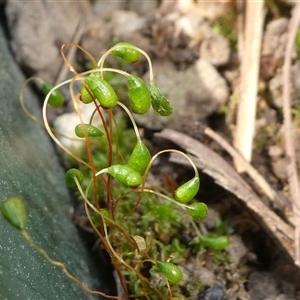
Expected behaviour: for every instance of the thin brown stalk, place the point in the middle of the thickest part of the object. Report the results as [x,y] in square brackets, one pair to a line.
[64,71]
[288,128]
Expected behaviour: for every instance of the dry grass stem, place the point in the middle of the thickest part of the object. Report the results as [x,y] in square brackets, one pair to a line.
[246,112]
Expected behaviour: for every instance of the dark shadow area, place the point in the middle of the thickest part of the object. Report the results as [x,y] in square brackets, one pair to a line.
[3,20]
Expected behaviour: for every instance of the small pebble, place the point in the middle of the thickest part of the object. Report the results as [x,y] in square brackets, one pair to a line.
[213,293]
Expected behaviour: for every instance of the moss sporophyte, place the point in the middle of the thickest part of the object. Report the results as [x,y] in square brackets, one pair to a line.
[111,175]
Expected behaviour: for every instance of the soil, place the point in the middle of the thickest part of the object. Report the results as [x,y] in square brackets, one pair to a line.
[179,40]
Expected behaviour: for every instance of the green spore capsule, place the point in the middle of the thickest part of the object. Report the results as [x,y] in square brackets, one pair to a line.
[172,272]
[91,131]
[56,99]
[139,95]
[14,211]
[188,190]
[215,242]
[139,158]
[71,175]
[85,96]
[159,102]
[126,175]
[198,211]
[127,52]
[102,91]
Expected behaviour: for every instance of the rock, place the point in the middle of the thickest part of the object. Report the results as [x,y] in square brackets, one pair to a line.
[275,87]
[193,26]
[104,8]
[209,10]
[211,219]
[282,297]
[275,37]
[124,23]
[215,49]
[67,122]
[31,171]
[273,48]
[205,276]
[279,167]
[213,293]
[96,39]
[194,275]
[275,151]
[142,7]
[236,250]
[262,285]
[122,26]
[195,93]
[195,271]
[39,29]
[178,33]
[213,85]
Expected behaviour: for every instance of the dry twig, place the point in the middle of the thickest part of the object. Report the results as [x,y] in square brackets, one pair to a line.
[288,128]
